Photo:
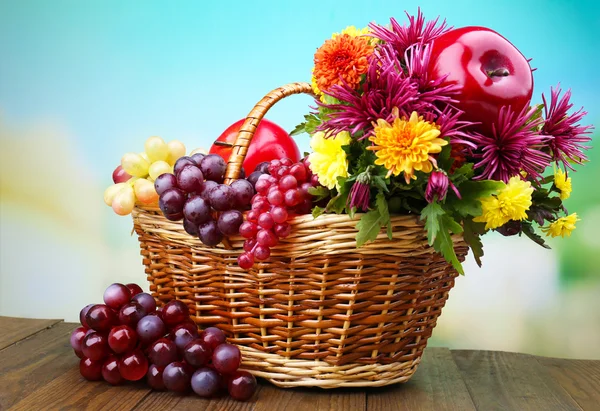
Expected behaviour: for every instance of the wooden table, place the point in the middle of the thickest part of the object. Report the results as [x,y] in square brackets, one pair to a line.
[38,371]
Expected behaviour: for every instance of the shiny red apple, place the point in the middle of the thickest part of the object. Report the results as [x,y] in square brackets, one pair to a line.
[489,71]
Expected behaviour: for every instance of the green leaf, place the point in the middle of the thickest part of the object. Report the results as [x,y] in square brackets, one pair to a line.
[443,241]
[319,193]
[309,126]
[471,192]
[462,174]
[529,231]
[444,161]
[317,211]
[299,129]
[431,215]
[380,183]
[368,227]
[472,237]
[382,207]
[337,204]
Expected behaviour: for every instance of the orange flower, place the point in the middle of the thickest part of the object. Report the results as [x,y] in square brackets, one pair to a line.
[342,58]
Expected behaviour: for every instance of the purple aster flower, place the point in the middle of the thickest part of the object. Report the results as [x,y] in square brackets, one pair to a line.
[417,32]
[431,91]
[566,134]
[385,87]
[514,146]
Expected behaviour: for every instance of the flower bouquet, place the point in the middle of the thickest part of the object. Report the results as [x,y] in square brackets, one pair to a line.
[331,270]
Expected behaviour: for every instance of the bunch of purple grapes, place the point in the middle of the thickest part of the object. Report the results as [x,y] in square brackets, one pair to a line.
[195,193]
[127,339]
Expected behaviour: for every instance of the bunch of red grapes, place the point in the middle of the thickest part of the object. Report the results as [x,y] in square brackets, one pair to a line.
[282,192]
[128,338]
[195,193]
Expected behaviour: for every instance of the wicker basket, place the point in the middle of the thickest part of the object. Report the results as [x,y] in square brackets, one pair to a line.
[321,312]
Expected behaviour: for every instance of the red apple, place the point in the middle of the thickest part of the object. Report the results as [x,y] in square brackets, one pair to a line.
[488,69]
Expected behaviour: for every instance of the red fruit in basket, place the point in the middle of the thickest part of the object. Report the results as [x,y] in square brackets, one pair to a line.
[212,337]
[209,233]
[83,313]
[116,296]
[197,353]
[213,167]
[110,371]
[269,142]
[489,71]
[95,346]
[120,175]
[176,377]
[206,382]
[229,222]
[100,317]
[243,191]
[134,289]
[154,377]
[131,313]
[164,182]
[90,370]
[175,312]
[226,358]
[171,202]
[163,352]
[133,366]
[242,386]
[77,337]
[146,301]
[190,179]
[182,162]
[122,339]
[182,336]
[196,210]
[150,328]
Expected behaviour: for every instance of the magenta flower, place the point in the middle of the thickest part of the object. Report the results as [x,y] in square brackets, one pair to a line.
[566,135]
[359,197]
[514,146]
[437,186]
[385,87]
[417,32]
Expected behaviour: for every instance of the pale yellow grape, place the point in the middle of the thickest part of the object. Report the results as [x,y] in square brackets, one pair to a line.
[124,200]
[157,149]
[199,150]
[135,165]
[145,191]
[176,150]
[111,192]
[157,168]
[145,156]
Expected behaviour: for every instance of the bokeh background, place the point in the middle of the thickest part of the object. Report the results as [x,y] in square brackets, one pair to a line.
[81,83]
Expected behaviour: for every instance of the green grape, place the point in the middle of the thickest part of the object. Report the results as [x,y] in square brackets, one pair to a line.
[157,149]
[135,165]
[145,191]
[111,192]
[176,150]
[157,168]
[124,200]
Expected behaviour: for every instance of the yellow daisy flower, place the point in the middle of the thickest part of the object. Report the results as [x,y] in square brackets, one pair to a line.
[562,227]
[563,184]
[511,203]
[406,145]
[328,159]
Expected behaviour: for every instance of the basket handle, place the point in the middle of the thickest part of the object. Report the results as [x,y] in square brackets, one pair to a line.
[244,137]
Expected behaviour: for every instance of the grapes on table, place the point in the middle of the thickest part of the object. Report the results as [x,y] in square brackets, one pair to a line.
[163,345]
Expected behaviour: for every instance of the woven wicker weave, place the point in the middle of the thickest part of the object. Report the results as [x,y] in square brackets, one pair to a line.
[321,312]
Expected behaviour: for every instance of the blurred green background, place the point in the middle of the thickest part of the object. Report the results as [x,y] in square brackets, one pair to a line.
[81,83]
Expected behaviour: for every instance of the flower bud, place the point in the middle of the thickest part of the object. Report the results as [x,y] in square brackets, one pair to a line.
[437,186]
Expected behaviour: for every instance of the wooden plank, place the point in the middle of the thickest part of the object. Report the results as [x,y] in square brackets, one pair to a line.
[17,329]
[510,381]
[580,378]
[170,401]
[33,362]
[71,391]
[310,399]
[436,385]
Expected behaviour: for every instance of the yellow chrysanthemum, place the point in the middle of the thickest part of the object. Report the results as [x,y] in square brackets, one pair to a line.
[328,159]
[511,203]
[563,184]
[352,31]
[406,145]
[564,226]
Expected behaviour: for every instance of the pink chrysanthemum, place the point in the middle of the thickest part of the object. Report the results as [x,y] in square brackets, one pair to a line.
[417,32]
[360,196]
[514,146]
[566,135]
[431,91]
[385,87]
